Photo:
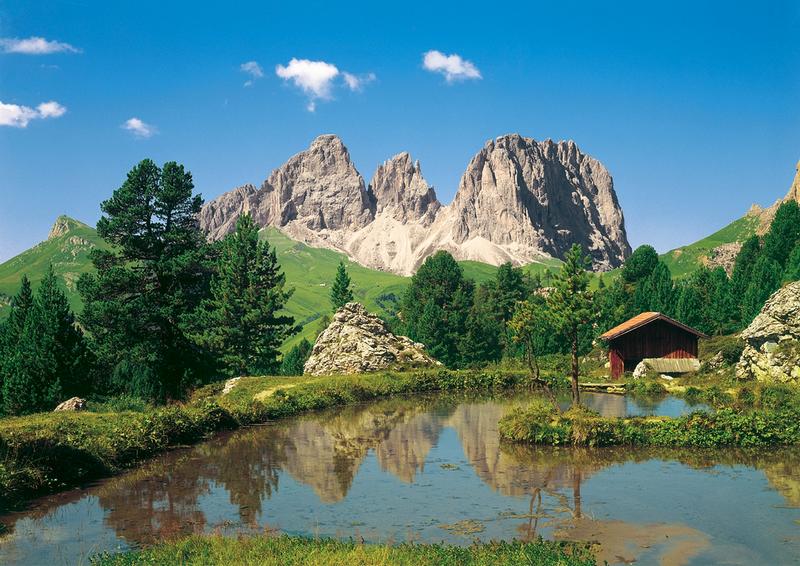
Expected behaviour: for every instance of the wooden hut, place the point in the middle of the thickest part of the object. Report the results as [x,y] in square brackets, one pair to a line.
[651,335]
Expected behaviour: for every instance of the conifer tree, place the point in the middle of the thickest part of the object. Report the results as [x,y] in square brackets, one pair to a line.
[48,362]
[766,279]
[138,304]
[240,323]
[792,271]
[571,305]
[11,329]
[436,305]
[294,361]
[784,233]
[341,294]
[640,264]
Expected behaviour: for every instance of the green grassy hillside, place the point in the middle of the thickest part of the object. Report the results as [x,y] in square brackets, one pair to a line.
[68,253]
[684,260]
[309,270]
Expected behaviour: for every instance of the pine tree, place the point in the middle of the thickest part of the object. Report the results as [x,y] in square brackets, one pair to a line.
[48,361]
[792,271]
[784,233]
[11,329]
[571,305]
[743,266]
[294,361]
[640,264]
[766,280]
[340,290]
[240,323]
[436,305]
[485,328]
[138,304]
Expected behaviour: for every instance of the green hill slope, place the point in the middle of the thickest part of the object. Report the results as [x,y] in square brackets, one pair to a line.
[684,260]
[67,250]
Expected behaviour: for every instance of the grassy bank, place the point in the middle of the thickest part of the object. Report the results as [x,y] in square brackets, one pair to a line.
[538,424]
[52,451]
[284,550]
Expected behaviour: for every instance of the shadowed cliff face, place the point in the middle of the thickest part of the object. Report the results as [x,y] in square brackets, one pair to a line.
[402,468]
[519,200]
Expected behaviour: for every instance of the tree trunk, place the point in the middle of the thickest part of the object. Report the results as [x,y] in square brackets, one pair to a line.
[576,394]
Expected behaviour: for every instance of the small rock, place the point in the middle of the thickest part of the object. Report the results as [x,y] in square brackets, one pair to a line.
[230,384]
[72,404]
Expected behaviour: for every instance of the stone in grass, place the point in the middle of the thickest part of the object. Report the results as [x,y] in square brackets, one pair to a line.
[72,404]
[359,342]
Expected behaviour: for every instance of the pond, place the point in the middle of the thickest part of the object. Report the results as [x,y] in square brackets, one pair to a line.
[432,468]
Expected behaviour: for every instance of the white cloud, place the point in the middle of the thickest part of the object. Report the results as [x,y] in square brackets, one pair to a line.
[317,79]
[17,116]
[51,109]
[35,46]
[453,67]
[356,82]
[138,128]
[253,69]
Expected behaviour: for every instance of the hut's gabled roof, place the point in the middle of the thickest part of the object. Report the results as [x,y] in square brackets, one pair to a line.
[643,319]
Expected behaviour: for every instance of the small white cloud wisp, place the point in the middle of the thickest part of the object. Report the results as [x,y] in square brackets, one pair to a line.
[139,128]
[35,46]
[17,116]
[253,69]
[453,67]
[317,79]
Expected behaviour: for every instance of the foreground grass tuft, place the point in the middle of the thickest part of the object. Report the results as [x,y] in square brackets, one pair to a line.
[285,550]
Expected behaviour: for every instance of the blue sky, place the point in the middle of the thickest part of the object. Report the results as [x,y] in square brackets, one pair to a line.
[692,106]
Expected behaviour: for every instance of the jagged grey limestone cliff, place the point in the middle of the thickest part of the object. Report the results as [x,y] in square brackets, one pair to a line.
[772,341]
[519,200]
[357,342]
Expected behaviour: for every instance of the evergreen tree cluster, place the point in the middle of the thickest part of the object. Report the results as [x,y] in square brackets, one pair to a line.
[164,309]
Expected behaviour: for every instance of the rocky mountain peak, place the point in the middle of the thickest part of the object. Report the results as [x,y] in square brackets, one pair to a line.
[319,188]
[794,190]
[545,195]
[62,225]
[399,188]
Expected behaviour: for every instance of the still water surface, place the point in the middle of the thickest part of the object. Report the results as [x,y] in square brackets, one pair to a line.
[431,469]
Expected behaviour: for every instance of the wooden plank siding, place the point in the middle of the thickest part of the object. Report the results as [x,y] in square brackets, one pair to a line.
[657,339]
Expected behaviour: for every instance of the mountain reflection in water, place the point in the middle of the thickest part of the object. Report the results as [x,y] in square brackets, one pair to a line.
[404,468]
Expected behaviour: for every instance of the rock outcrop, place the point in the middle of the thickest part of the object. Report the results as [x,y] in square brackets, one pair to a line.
[402,192]
[519,200]
[545,196]
[772,341]
[71,404]
[358,342]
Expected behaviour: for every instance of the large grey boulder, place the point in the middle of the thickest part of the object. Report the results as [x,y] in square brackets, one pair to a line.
[772,341]
[71,404]
[358,342]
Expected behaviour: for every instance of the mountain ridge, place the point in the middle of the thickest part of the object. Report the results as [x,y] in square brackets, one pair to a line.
[519,200]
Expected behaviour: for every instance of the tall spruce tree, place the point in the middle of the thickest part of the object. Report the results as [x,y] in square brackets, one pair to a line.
[138,304]
[571,305]
[766,279]
[341,294]
[784,233]
[49,359]
[11,329]
[792,271]
[436,305]
[240,323]
[294,361]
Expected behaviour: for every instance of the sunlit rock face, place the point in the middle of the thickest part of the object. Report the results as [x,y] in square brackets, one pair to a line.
[358,342]
[772,341]
[519,200]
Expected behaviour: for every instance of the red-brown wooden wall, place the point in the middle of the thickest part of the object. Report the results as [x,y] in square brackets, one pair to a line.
[659,339]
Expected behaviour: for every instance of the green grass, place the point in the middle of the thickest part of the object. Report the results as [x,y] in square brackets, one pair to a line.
[684,260]
[286,550]
[47,452]
[538,424]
